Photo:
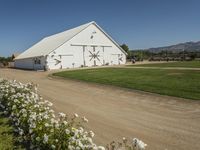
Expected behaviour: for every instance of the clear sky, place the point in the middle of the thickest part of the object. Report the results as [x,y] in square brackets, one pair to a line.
[138,23]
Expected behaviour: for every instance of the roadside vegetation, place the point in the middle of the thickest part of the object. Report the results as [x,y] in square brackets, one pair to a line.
[178,83]
[4,61]
[184,64]
[7,138]
[37,126]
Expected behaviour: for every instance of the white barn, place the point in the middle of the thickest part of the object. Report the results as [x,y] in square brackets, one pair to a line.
[85,45]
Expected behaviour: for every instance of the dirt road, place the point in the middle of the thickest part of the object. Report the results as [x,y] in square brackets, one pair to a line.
[164,123]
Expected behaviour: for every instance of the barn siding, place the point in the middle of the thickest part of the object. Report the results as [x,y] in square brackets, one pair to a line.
[28,63]
[99,38]
[69,55]
[110,54]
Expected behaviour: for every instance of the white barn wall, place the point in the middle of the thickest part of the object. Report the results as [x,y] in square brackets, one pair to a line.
[65,50]
[99,38]
[73,55]
[28,63]
[24,63]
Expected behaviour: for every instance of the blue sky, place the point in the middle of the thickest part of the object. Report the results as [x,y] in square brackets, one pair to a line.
[138,23]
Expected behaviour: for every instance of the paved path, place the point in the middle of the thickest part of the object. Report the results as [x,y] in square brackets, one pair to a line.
[164,123]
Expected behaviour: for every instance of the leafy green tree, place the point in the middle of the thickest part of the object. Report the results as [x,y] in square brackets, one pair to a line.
[5,60]
[126,49]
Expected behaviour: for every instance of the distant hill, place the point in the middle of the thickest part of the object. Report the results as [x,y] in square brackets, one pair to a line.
[187,46]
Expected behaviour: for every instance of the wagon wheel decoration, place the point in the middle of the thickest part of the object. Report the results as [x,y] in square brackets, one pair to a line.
[94,56]
[121,59]
[57,61]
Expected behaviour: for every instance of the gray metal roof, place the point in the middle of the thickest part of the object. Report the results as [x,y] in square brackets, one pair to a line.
[50,43]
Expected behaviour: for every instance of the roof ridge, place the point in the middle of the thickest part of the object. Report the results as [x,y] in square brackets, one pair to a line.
[91,22]
[55,42]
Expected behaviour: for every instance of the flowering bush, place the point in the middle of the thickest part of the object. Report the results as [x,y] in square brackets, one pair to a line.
[37,125]
[136,144]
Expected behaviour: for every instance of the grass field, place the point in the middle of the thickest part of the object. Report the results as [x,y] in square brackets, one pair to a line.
[179,83]
[185,64]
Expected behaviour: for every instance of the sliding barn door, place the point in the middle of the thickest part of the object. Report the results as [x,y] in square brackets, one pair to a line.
[93,56]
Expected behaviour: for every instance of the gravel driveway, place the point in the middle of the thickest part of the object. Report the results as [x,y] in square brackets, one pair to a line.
[164,123]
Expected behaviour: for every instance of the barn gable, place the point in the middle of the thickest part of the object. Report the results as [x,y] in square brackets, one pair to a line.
[48,44]
[81,49]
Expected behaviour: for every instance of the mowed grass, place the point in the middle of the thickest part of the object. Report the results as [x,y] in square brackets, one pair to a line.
[185,64]
[179,83]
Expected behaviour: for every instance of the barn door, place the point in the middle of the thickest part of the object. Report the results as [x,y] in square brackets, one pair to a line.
[37,64]
[116,59]
[93,56]
[67,61]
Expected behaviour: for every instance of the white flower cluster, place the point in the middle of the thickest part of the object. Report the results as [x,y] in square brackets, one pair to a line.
[136,144]
[36,123]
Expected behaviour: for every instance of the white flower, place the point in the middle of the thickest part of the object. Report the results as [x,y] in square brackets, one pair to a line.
[32,125]
[30,131]
[38,139]
[81,130]
[57,125]
[13,107]
[138,144]
[50,104]
[67,131]
[2,106]
[5,112]
[36,106]
[23,110]
[21,132]
[53,146]
[29,111]
[16,100]
[46,138]
[85,119]
[76,115]
[65,122]
[62,115]
[35,88]
[101,148]
[71,147]
[91,133]
[24,115]
[46,116]
[46,125]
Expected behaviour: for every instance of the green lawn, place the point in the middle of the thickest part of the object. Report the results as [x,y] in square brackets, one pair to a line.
[179,83]
[7,138]
[186,64]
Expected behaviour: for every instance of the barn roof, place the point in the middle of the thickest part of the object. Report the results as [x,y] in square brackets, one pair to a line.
[50,43]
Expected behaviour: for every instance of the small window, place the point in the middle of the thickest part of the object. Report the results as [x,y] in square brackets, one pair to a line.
[37,61]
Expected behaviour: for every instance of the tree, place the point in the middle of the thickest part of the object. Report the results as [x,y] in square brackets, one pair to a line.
[126,49]
[5,60]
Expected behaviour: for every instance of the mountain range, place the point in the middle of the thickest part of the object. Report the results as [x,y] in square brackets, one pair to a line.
[187,46]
